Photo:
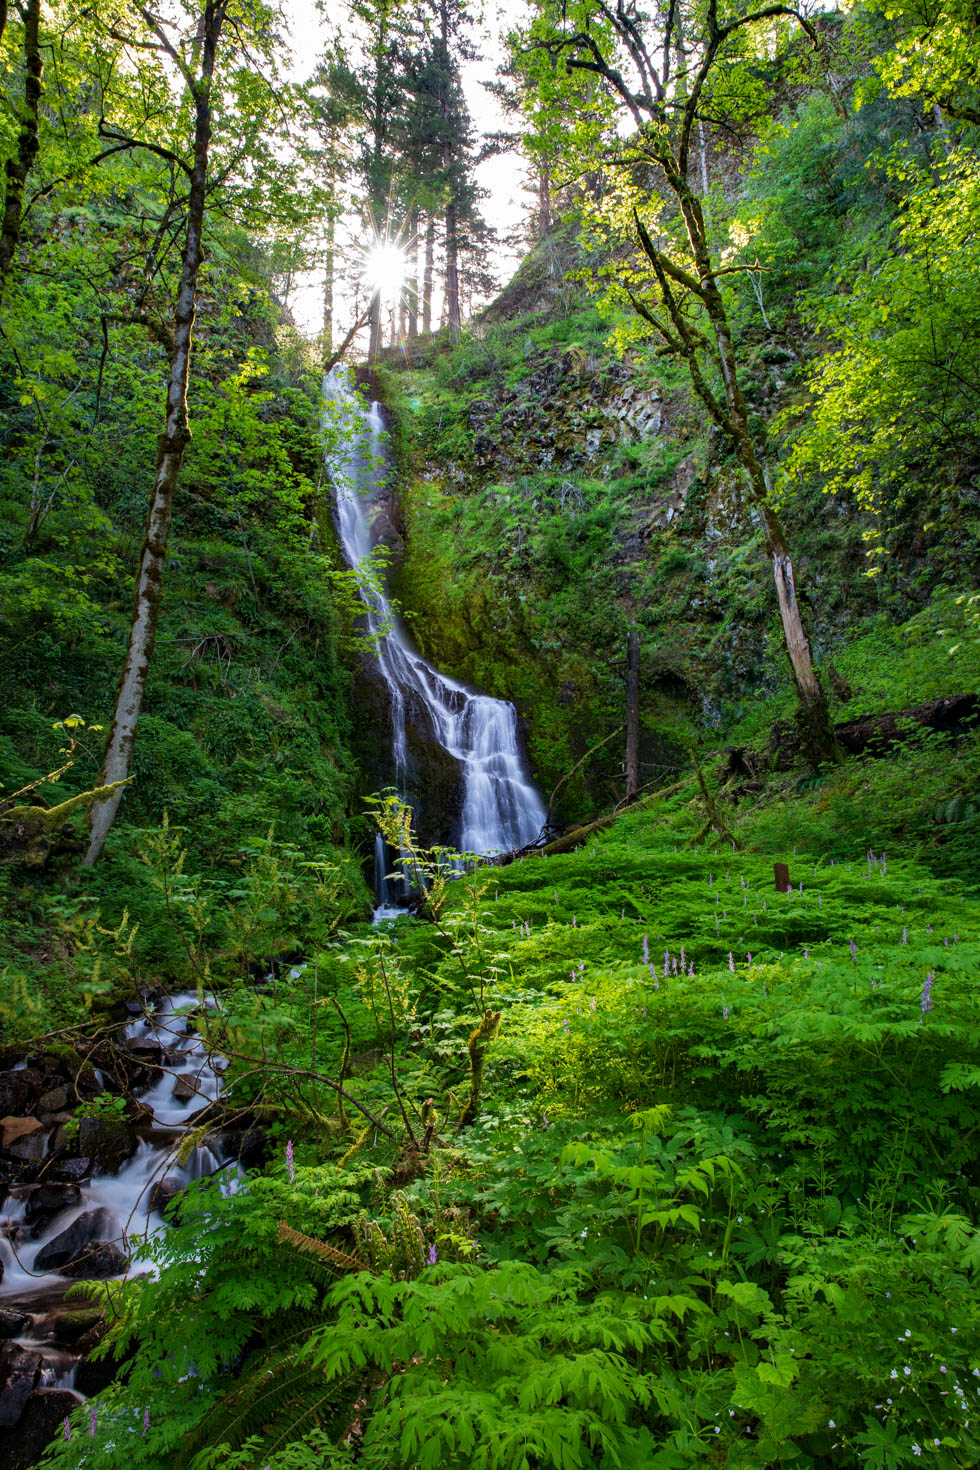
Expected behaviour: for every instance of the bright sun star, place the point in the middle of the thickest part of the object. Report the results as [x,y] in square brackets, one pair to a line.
[384,269]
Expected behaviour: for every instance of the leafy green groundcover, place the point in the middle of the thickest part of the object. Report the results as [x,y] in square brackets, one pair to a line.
[724,1217]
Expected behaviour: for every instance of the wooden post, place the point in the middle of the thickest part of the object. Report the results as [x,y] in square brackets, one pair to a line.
[632,716]
[781,872]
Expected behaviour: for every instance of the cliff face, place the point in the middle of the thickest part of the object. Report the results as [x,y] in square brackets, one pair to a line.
[555,495]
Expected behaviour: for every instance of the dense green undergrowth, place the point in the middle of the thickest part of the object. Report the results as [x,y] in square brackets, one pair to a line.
[717,1205]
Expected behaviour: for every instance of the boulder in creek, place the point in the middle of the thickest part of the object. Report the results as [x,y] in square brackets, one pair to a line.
[55,1101]
[164,1192]
[108,1142]
[12,1129]
[12,1323]
[25,1139]
[19,1089]
[81,1235]
[22,1447]
[71,1171]
[19,1371]
[46,1201]
[97,1263]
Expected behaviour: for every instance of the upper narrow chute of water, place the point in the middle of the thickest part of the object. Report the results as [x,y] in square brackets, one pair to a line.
[501,808]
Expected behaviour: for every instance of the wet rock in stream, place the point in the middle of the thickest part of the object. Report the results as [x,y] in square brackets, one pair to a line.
[20,1370]
[81,1250]
[22,1446]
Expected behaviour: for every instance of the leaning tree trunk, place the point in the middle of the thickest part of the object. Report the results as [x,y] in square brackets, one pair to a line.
[817,726]
[170,454]
[19,166]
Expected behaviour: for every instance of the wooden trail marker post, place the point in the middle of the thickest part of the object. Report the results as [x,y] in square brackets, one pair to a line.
[782,877]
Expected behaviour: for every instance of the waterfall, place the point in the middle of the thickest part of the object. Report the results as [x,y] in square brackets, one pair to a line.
[501,809]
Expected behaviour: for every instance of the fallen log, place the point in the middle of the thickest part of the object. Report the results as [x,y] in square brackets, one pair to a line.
[874,734]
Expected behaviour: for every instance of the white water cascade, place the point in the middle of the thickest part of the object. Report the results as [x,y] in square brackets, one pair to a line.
[501,809]
[129,1209]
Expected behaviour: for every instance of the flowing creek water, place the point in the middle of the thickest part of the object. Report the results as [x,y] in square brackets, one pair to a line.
[71,1219]
[71,1216]
[501,808]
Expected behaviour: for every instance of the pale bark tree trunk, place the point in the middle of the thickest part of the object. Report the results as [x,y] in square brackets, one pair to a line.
[19,166]
[732,418]
[430,251]
[170,454]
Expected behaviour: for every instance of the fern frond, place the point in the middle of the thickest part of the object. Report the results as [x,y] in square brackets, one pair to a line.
[320,1249]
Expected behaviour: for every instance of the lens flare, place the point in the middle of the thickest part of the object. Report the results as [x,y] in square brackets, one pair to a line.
[384,269]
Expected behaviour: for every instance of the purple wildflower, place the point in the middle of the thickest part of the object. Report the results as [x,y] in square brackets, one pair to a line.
[592,1004]
[946,942]
[683,957]
[433,1255]
[724,1011]
[544,1119]
[666,963]
[854,951]
[806,954]
[711,880]
[674,963]
[574,923]
[646,951]
[691,970]
[731,960]
[926,1002]
[146,1421]
[748,960]
[67,1428]
[289,1162]
[93,1422]
[581,968]
[653,971]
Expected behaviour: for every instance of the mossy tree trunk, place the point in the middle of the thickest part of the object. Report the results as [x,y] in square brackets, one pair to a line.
[170,454]
[20,164]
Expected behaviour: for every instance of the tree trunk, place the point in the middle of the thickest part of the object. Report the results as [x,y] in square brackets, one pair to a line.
[328,286]
[412,284]
[374,344]
[430,248]
[733,419]
[452,272]
[170,454]
[632,716]
[544,197]
[19,166]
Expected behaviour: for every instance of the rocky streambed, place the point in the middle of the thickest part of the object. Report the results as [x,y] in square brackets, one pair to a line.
[89,1140]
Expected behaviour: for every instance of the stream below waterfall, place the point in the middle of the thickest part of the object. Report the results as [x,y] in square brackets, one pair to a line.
[73,1216]
[501,808]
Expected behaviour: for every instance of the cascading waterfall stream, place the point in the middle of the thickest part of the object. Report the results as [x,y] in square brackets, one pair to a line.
[501,808]
[122,1207]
